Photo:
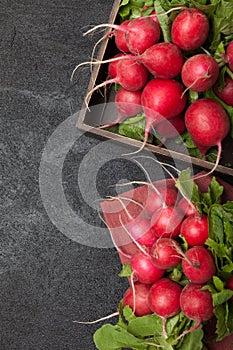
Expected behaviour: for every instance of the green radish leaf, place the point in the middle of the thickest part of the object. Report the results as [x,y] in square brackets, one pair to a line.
[126,271]
[193,340]
[218,283]
[110,337]
[128,313]
[222,297]
[134,128]
[163,21]
[145,326]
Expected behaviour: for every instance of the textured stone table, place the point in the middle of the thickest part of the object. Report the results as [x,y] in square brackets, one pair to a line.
[47,280]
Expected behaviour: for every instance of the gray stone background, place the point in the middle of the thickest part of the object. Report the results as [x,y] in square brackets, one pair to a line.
[46,279]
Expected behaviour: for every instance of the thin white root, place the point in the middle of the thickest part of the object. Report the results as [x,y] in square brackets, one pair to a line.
[171,10]
[219,144]
[148,177]
[128,199]
[206,76]
[134,292]
[99,320]
[110,81]
[104,25]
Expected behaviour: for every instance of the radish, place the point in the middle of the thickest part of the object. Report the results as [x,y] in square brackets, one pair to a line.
[137,35]
[196,304]
[229,54]
[137,298]
[225,94]
[208,124]
[164,299]
[187,207]
[163,60]
[141,34]
[138,228]
[131,76]
[166,196]
[112,67]
[120,39]
[229,284]
[173,127]
[199,265]
[166,222]
[128,103]
[195,230]
[156,104]
[190,29]
[165,253]
[144,269]
[200,72]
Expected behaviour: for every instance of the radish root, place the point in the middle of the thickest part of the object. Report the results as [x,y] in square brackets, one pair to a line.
[99,320]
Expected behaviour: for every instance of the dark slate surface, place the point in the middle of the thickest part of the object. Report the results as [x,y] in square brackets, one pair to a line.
[46,279]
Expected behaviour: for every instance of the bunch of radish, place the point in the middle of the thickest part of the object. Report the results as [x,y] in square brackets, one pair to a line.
[157,76]
[167,232]
[156,234]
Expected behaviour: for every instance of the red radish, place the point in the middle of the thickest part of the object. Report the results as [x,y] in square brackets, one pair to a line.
[173,127]
[112,67]
[190,29]
[225,94]
[131,76]
[165,253]
[120,39]
[144,269]
[140,229]
[166,196]
[166,222]
[138,301]
[195,230]
[163,60]
[142,33]
[161,99]
[229,54]
[199,265]
[128,104]
[208,124]
[138,34]
[200,72]
[229,284]
[196,303]
[188,208]
[164,299]
[169,194]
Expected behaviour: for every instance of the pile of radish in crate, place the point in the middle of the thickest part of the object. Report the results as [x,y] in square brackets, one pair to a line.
[175,63]
[175,245]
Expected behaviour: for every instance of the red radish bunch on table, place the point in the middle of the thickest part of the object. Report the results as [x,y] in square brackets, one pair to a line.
[170,218]
[166,72]
[173,272]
